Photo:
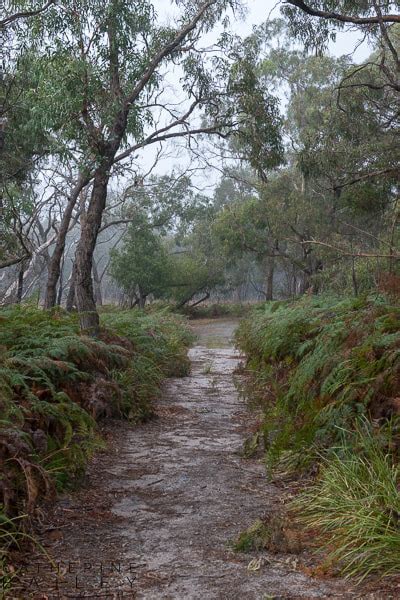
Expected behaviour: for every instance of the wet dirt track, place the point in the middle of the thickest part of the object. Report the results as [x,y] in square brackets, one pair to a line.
[157,514]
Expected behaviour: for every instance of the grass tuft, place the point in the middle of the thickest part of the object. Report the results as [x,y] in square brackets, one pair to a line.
[355,505]
[256,537]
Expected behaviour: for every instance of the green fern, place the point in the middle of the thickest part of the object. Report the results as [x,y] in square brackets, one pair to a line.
[326,362]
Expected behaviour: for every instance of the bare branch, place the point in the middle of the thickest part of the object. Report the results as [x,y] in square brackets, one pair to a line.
[167,50]
[366,176]
[215,129]
[346,252]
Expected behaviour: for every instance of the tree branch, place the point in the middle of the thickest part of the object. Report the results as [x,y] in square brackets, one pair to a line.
[26,14]
[346,253]
[389,171]
[166,51]
[334,16]
[15,260]
[215,129]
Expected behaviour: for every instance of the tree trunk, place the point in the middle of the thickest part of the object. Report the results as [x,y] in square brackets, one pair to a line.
[354,276]
[20,284]
[97,285]
[269,280]
[55,262]
[89,319]
[142,299]
[134,302]
[203,299]
[305,283]
[60,287]
[293,283]
[392,237]
[70,302]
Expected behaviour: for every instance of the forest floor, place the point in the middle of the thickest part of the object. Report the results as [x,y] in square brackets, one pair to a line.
[160,508]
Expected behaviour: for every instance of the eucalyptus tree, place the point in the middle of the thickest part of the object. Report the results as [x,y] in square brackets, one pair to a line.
[317,21]
[175,260]
[260,141]
[170,202]
[150,211]
[198,264]
[337,198]
[23,147]
[269,225]
[341,132]
[243,228]
[344,139]
[102,74]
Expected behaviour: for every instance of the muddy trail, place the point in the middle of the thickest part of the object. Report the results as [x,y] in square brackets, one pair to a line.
[159,508]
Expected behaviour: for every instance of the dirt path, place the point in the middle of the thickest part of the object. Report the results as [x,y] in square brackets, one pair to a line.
[156,515]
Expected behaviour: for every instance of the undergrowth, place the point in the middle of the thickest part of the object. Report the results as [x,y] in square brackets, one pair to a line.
[327,375]
[55,384]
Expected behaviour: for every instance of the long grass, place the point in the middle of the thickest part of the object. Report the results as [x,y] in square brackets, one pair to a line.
[355,506]
[319,366]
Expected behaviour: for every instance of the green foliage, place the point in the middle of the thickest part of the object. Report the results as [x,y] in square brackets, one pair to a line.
[161,338]
[355,506]
[22,144]
[259,136]
[327,375]
[338,195]
[69,78]
[55,385]
[141,266]
[175,268]
[198,266]
[321,365]
[315,33]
